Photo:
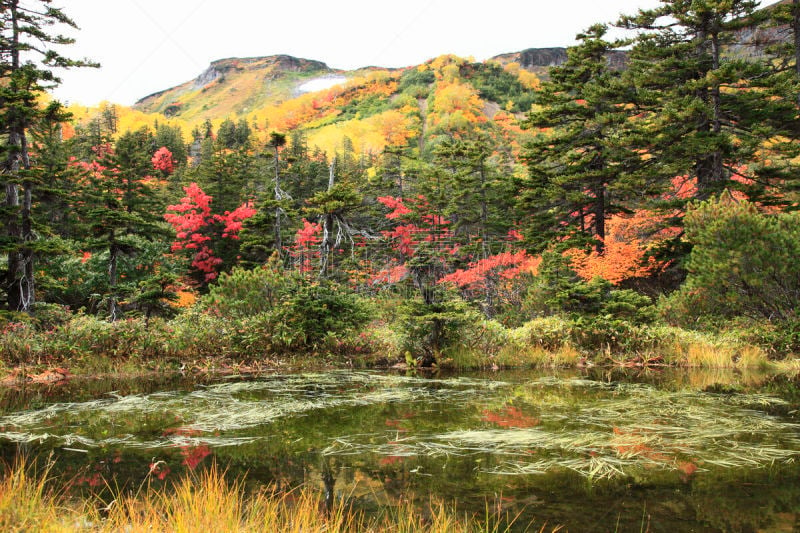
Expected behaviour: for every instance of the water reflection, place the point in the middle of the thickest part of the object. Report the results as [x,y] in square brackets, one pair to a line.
[705,451]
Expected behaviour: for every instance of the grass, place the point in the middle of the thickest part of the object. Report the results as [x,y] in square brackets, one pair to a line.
[208,502]
[198,342]
[27,503]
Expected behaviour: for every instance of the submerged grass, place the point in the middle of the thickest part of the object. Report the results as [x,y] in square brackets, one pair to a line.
[228,407]
[610,430]
[208,502]
[598,429]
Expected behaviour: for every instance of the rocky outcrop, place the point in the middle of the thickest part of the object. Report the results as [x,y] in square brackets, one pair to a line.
[540,59]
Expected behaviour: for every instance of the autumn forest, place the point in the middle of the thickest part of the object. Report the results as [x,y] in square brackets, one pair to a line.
[635,205]
[617,192]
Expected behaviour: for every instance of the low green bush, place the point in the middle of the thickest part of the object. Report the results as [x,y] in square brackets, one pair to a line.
[558,290]
[777,338]
[315,310]
[241,292]
[428,330]
[743,263]
[547,333]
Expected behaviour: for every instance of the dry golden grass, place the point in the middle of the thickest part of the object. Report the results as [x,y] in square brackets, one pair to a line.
[706,355]
[27,504]
[204,504]
[709,356]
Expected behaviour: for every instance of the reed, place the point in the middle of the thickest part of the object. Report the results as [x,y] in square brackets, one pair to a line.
[209,502]
[29,503]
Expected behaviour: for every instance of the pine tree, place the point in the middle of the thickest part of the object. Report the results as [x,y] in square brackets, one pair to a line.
[28,58]
[704,114]
[133,154]
[777,166]
[478,197]
[575,162]
[171,137]
[53,197]
[118,208]
[228,175]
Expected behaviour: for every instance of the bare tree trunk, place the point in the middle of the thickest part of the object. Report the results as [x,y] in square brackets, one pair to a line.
[327,228]
[716,104]
[14,257]
[278,196]
[113,251]
[17,280]
[796,32]
[600,215]
[27,284]
[709,168]
[484,210]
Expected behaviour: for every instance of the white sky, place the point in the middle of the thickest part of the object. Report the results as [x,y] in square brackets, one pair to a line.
[146,46]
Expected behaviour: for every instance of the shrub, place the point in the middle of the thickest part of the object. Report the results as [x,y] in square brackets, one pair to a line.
[558,289]
[604,332]
[198,334]
[429,329]
[776,338]
[316,309]
[19,342]
[743,263]
[548,333]
[47,316]
[272,310]
[243,293]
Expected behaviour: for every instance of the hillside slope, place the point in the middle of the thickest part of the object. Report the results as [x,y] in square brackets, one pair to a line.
[240,86]
[236,86]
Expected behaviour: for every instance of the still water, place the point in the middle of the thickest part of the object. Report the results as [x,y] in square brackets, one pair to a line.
[595,450]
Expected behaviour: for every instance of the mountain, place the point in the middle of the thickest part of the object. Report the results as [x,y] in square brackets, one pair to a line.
[236,86]
[240,86]
[371,108]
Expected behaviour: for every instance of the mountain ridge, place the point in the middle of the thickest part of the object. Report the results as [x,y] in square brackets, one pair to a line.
[262,74]
[282,76]
[535,60]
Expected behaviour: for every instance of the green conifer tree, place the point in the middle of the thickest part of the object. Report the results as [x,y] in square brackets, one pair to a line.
[576,164]
[704,114]
[28,57]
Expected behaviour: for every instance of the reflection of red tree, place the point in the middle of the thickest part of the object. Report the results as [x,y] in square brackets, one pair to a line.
[194,455]
[510,417]
[94,480]
[160,469]
[629,446]
[397,424]
[686,469]
[185,432]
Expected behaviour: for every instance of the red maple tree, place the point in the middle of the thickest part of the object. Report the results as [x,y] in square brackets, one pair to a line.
[196,228]
[163,161]
[306,244]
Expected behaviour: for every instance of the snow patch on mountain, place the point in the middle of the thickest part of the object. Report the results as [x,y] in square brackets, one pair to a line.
[321,83]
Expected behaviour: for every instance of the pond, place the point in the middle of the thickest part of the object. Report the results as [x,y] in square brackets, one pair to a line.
[592,450]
